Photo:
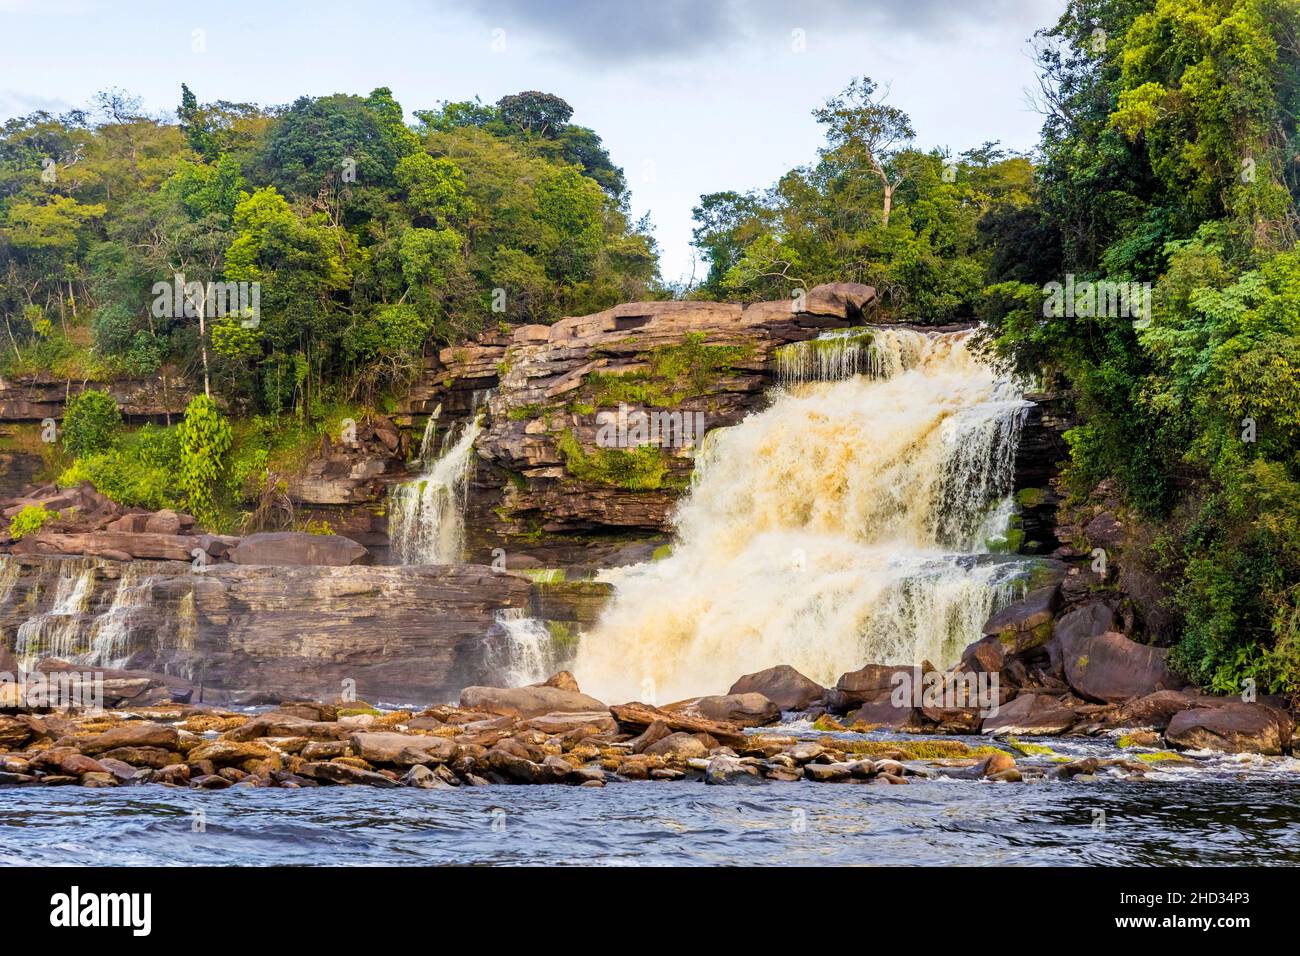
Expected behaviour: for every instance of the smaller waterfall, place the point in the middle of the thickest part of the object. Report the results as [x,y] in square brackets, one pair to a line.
[110,633]
[426,522]
[843,353]
[530,652]
[57,632]
[9,571]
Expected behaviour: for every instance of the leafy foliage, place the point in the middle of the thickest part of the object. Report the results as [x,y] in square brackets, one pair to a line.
[91,421]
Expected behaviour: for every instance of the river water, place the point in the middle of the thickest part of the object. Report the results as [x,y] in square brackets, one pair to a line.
[1221,811]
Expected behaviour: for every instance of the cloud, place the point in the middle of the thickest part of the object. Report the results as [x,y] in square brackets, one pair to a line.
[603,30]
[13,103]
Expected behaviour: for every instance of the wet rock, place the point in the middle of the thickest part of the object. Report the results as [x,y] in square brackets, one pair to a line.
[1111,668]
[724,770]
[562,681]
[294,548]
[872,684]
[154,757]
[346,774]
[16,779]
[403,750]
[99,779]
[210,781]
[827,772]
[1155,710]
[122,772]
[226,752]
[515,768]
[744,710]
[1088,767]
[636,717]
[782,685]
[177,775]
[525,702]
[593,722]
[423,778]
[1026,624]
[1031,714]
[996,763]
[679,746]
[132,734]
[1232,728]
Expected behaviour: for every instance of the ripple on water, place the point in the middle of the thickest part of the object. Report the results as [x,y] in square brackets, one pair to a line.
[1205,820]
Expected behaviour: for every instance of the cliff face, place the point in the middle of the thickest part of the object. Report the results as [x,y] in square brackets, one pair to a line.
[547,487]
[400,633]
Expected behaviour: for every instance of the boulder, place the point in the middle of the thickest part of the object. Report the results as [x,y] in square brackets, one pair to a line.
[744,710]
[597,721]
[1027,623]
[135,733]
[871,684]
[637,717]
[782,685]
[403,750]
[1154,711]
[1032,714]
[680,746]
[845,300]
[524,702]
[1111,668]
[727,771]
[1236,727]
[294,548]
[562,680]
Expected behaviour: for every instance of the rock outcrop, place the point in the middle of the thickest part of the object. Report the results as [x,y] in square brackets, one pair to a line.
[394,633]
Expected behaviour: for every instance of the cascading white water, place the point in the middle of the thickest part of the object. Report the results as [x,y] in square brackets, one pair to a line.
[110,634]
[841,526]
[426,523]
[843,353]
[530,655]
[57,632]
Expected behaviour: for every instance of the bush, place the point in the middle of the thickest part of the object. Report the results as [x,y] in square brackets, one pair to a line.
[91,423]
[140,471]
[205,437]
[30,520]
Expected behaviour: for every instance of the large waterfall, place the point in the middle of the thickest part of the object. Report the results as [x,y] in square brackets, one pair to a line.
[426,516]
[843,525]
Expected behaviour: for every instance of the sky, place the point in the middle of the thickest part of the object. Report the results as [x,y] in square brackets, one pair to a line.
[690,96]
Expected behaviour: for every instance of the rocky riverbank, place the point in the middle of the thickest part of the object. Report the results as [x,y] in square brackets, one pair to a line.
[773,726]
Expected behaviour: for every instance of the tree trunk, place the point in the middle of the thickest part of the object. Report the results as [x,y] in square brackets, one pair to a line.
[203,348]
[889,204]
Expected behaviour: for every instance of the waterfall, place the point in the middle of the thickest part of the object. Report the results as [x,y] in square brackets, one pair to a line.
[426,520]
[843,353]
[110,633]
[9,571]
[57,632]
[843,525]
[530,654]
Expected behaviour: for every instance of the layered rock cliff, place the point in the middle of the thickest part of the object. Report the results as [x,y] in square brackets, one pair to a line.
[398,633]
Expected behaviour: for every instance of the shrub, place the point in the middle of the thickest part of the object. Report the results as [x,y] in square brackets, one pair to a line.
[30,520]
[205,438]
[91,423]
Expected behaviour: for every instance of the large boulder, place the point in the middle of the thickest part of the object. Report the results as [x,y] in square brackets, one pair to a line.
[782,685]
[871,684]
[294,548]
[135,733]
[845,300]
[744,710]
[1031,714]
[1154,711]
[1027,623]
[524,702]
[403,750]
[1236,727]
[1111,668]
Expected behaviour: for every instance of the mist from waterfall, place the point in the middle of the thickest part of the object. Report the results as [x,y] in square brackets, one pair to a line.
[426,516]
[841,526]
